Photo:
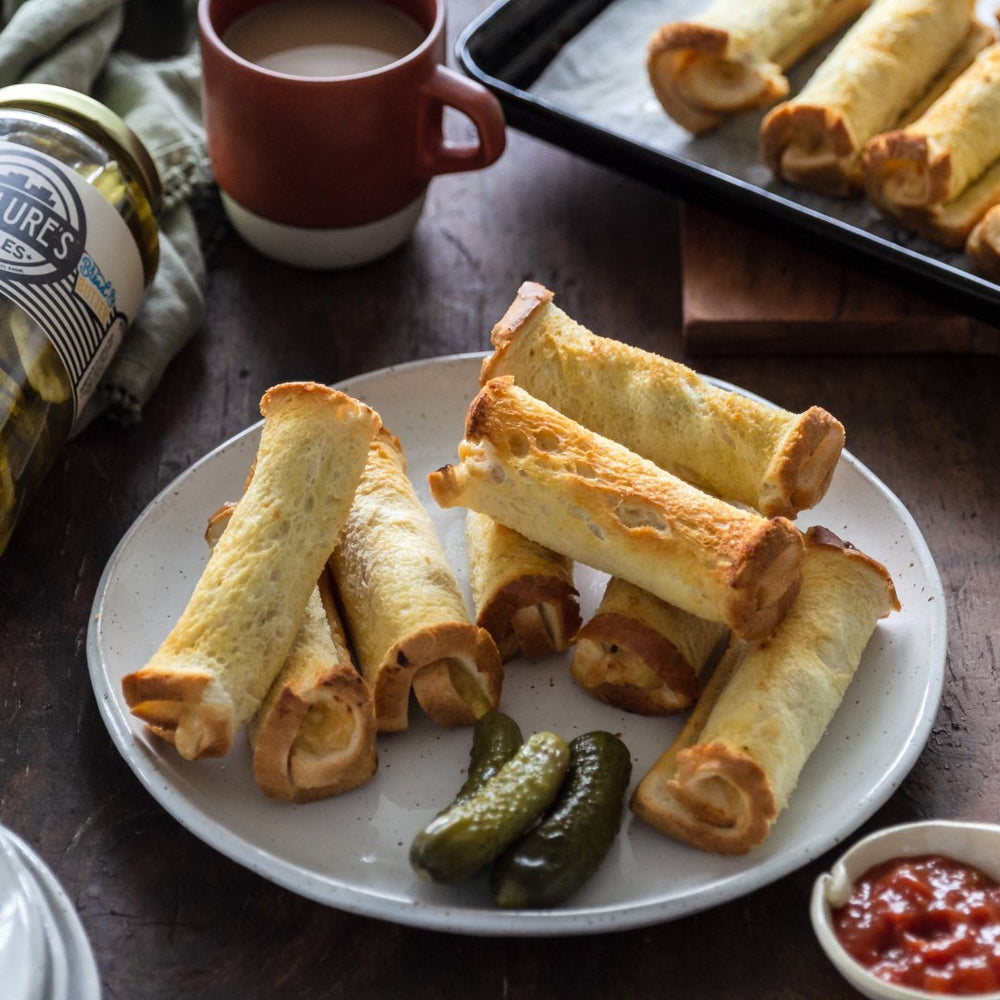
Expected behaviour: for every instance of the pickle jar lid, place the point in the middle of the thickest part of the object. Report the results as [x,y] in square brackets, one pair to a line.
[98,120]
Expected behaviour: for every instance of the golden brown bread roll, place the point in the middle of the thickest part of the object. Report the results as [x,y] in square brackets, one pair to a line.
[980,36]
[735,447]
[941,173]
[214,668]
[542,474]
[523,592]
[883,66]
[733,56]
[405,614]
[983,244]
[722,783]
[641,654]
[314,734]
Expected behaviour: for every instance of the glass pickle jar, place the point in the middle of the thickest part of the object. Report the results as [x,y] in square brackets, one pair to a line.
[79,246]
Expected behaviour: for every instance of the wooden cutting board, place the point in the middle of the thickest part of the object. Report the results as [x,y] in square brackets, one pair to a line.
[745,291]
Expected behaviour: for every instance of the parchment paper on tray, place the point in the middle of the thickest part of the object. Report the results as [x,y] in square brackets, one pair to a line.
[600,77]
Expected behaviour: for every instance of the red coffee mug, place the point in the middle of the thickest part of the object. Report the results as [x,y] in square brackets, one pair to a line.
[332,171]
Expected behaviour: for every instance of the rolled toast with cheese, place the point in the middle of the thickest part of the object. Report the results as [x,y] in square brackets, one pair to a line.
[641,654]
[731,770]
[523,593]
[214,668]
[733,56]
[885,64]
[728,444]
[983,244]
[535,470]
[405,614]
[314,734]
[940,174]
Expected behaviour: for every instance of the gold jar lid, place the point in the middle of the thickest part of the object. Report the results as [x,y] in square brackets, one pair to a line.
[95,119]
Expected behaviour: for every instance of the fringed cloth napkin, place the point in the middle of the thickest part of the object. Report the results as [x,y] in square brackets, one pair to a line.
[74,43]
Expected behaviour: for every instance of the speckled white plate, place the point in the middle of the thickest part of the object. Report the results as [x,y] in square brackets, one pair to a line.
[351,852]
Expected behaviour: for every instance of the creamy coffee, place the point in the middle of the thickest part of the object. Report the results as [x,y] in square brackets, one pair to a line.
[323,38]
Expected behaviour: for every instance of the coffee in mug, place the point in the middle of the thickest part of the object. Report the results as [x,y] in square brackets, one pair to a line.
[324,121]
[324,37]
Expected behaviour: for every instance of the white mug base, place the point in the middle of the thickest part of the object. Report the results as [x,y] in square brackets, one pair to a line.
[324,249]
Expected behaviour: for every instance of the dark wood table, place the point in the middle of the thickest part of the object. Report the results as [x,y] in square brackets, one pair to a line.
[171,917]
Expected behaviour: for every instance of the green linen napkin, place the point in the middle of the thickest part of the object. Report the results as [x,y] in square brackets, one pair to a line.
[75,43]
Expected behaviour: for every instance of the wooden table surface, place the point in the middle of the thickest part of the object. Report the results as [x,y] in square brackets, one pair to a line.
[170,917]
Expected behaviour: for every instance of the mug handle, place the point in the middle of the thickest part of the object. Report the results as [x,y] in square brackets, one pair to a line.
[445,88]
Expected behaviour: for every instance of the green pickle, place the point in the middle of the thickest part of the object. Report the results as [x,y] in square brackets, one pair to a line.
[471,833]
[495,739]
[553,859]
[42,367]
[37,407]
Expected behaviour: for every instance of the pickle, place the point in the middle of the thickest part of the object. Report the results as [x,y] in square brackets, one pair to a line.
[550,862]
[45,372]
[8,500]
[470,834]
[495,739]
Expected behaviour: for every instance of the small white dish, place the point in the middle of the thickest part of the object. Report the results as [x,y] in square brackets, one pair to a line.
[24,954]
[976,844]
[72,972]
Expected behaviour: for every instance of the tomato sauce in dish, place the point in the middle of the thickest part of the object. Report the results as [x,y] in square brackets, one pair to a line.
[928,922]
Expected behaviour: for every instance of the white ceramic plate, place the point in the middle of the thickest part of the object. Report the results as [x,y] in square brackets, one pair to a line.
[351,852]
[73,971]
[24,955]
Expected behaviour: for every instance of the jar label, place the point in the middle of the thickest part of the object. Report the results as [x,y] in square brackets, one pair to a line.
[69,260]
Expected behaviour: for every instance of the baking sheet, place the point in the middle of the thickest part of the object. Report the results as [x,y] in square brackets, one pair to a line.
[575,74]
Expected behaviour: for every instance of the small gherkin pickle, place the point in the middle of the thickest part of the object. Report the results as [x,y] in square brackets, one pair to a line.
[471,833]
[552,860]
[496,737]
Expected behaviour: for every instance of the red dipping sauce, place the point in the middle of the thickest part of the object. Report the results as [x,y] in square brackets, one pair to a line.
[928,922]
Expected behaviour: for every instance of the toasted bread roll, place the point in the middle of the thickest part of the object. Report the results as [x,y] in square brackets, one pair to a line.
[403,608]
[732,446]
[733,56]
[980,36]
[523,592]
[314,734]
[722,783]
[883,66]
[542,474]
[940,174]
[640,653]
[983,244]
[214,668]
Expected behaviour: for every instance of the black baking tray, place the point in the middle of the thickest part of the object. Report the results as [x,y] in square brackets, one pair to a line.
[509,46]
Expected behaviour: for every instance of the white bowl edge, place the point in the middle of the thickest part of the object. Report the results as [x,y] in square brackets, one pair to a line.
[976,844]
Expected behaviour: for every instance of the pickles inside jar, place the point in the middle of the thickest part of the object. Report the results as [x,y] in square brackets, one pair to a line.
[36,412]
[472,832]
